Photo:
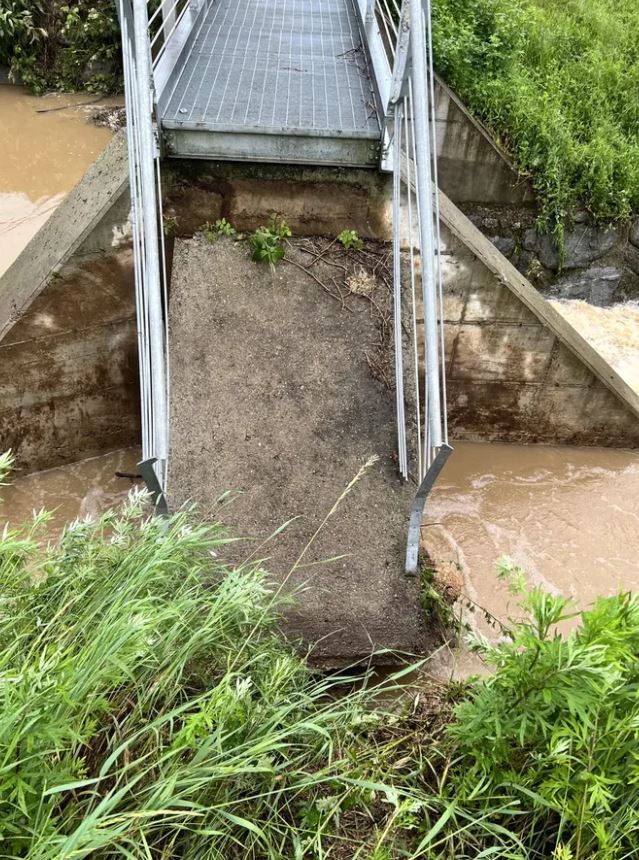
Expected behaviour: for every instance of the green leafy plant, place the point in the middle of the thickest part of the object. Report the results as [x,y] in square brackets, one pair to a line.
[169,224]
[266,243]
[59,45]
[350,240]
[556,82]
[221,227]
[554,731]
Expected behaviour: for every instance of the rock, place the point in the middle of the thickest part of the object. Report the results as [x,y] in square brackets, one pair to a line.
[504,245]
[580,217]
[596,286]
[631,259]
[448,581]
[634,233]
[583,245]
[530,239]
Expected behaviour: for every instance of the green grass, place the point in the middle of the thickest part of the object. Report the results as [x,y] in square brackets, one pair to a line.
[150,709]
[557,82]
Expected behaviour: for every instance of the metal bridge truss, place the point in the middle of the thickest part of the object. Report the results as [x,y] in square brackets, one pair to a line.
[157,36]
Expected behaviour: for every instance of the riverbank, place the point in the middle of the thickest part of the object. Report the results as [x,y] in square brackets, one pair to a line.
[168,717]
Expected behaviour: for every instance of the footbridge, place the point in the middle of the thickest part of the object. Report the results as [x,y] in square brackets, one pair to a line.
[345,83]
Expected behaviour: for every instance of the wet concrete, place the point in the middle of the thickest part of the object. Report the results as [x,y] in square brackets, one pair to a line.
[273,398]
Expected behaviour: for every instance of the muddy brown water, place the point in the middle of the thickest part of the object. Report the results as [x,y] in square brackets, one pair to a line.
[83,489]
[46,143]
[569,516]
[613,331]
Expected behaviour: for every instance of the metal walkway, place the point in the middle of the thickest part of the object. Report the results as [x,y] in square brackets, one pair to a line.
[284,80]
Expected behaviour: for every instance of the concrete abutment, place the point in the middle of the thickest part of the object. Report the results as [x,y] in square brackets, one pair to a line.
[517,371]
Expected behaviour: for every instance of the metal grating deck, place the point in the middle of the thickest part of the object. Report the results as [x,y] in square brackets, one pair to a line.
[277,80]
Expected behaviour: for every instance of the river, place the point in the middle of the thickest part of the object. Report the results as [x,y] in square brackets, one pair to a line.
[569,516]
[47,143]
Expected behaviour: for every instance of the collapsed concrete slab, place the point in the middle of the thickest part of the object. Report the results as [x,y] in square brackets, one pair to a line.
[273,398]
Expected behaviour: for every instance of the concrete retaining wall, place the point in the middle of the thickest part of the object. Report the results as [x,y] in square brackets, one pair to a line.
[517,370]
[68,346]
[313,200]
[472,168]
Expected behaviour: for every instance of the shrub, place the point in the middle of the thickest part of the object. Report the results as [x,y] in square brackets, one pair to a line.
[557,82]
[58,45]
[554,732]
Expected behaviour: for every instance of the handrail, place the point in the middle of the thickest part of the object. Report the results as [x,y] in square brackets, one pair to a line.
[411,149]
[148,243]
[171,26]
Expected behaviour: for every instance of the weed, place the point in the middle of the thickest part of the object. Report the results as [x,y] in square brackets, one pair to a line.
[221,227]
[350,240]
[267,242]
[554,731]
[169,223]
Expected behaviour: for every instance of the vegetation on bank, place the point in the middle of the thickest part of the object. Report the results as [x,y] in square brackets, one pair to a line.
[148,708]
[557,83]
[55,44]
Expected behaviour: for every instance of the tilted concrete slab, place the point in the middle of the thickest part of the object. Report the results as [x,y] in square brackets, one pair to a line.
[272,397]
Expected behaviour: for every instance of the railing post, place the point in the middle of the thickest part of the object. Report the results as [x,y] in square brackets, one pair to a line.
[423,176]
[168,17]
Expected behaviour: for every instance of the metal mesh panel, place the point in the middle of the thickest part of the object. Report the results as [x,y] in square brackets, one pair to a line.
[276,66]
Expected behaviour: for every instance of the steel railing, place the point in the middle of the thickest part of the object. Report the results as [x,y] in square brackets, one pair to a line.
[148,244]
[402,35]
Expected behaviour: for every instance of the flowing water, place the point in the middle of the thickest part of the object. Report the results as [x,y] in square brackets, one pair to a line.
[613,331]
[568,516]
[46,144]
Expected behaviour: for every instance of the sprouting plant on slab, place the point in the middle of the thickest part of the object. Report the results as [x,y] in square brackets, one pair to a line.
[169,223]
[350,240]
[221,227]
[267,242]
